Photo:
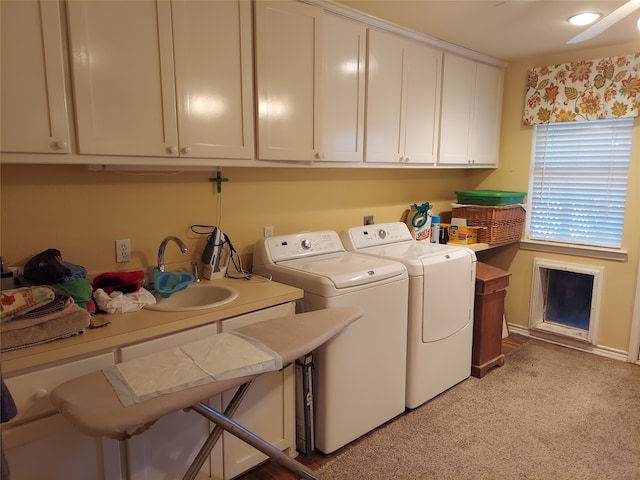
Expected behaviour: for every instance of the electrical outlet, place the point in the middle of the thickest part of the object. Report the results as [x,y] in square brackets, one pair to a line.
[268,232]
[123,250]
[368,220]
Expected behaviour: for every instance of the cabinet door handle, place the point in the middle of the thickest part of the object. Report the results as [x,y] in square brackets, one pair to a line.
[172,150]
[319,155]
[60,145]
[41,394]
[186,150]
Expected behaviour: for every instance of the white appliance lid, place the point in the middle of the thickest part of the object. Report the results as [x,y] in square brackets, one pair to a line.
[414,254]
[346,269]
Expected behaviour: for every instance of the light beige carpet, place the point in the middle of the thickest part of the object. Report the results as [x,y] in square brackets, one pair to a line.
[550,413]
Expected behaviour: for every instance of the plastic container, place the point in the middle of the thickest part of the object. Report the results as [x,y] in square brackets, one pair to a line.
[435,229]
[419,221]
[168,283]
[490,198]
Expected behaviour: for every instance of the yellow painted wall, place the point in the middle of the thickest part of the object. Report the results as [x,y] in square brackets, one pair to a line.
[82,212]
[619,277]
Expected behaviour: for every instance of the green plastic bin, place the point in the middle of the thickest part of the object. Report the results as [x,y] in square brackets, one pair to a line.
[492,198]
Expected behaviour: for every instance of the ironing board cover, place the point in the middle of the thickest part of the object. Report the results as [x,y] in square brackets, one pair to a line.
[90,403]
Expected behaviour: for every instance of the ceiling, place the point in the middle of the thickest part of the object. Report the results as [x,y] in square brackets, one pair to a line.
[508,30]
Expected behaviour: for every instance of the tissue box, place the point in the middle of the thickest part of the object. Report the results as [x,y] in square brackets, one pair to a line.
[460,232]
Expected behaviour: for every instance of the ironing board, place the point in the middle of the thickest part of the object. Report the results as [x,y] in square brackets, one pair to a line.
[90,403]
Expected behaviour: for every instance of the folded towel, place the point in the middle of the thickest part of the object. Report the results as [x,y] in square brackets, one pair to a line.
[48,313]
[80,289]
[19,301]
[65,326]
[60,301]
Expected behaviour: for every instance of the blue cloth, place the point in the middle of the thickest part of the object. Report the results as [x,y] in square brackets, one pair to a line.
[75,272]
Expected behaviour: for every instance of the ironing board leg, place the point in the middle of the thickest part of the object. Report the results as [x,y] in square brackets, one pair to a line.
[258,443]
[215,434]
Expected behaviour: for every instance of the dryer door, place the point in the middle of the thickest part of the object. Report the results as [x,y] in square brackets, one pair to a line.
[448,294]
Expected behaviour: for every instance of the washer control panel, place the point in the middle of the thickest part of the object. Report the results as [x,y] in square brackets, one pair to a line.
[374,235]
[289,247]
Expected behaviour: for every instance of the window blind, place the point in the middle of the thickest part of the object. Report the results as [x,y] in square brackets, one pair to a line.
[578,183]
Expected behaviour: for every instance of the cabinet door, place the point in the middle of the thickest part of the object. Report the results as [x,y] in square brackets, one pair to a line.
[37,432]
[384,97]
[288,64]
[422,91]
[458,91]
[34,106]
[122,65]
[167,449]
[343,79]
[471,112]
[213,60]
[487,113]
[50,448]
[268,409]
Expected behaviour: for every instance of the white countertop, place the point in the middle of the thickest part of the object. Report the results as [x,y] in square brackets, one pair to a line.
[127,328]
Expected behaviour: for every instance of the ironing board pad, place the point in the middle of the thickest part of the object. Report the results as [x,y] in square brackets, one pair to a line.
[90,403]
[212,358]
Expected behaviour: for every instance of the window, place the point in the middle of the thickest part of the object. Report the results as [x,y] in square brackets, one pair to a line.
[578,182]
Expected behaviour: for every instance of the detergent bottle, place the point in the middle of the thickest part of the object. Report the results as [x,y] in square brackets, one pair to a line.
[419,221]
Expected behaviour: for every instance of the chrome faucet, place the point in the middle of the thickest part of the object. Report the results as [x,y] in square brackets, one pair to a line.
[163,245]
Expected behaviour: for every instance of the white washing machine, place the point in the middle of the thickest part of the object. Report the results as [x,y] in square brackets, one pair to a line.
[441,296]
[359,378]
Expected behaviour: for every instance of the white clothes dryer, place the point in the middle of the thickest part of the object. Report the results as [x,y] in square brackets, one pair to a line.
[359,377]
[441,296]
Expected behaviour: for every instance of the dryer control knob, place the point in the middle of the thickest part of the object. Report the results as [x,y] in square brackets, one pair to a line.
[305,244]
[382,234]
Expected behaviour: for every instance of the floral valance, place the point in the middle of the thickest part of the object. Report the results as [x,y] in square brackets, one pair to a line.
[585,90]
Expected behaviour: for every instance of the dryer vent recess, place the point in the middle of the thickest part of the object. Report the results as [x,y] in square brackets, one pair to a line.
[368,220]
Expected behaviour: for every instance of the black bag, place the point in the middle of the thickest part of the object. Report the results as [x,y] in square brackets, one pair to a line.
[46,268]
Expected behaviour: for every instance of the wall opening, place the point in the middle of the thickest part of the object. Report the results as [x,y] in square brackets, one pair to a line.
[565,299]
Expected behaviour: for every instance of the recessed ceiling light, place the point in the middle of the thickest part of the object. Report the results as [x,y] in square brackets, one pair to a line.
[584,18]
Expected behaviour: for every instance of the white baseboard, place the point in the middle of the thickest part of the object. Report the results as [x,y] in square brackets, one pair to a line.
[595,349]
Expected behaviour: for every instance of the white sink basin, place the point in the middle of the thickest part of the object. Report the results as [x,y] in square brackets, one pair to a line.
[197,296]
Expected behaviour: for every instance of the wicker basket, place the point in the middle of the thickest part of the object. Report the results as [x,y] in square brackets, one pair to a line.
[501,224]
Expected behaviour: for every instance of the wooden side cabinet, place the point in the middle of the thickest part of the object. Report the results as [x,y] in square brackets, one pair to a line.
[491,284]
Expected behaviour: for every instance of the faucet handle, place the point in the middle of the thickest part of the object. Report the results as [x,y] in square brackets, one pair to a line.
[194,270]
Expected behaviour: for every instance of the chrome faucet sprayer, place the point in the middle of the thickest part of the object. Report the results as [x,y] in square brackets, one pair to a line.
[163,245]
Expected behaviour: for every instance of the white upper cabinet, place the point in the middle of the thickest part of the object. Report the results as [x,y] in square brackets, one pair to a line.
[134,97]
[214,79]
[310,84]
[343,88]
[123,77]
[403,98]
[471,112]
[34,106]
[288,65]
